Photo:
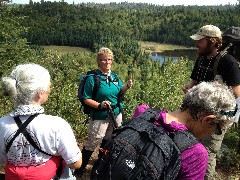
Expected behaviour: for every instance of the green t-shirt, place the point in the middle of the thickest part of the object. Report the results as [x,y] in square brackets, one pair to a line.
[108,91]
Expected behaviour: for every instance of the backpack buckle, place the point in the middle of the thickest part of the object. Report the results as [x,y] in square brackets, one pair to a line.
[105,152]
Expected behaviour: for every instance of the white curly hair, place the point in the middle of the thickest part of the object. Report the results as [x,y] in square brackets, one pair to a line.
[210,98]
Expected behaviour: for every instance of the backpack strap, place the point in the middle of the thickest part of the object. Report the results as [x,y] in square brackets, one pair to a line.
[27,135]
[218,57]
[94,73]
[183,139]
[96,86]
[150,114]
[23,126]
[116,78]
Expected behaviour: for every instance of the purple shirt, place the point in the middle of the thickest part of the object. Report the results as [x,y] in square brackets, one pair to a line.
[194,159]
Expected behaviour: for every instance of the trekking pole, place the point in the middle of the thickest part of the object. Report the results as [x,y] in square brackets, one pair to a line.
[130,71]
[112,117]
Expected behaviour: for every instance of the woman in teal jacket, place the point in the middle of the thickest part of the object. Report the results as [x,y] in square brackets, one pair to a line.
[101,125]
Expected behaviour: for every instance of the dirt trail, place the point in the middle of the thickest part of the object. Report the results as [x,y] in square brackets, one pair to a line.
[86,176]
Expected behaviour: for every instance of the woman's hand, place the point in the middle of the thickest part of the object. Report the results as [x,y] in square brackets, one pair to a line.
[104,105]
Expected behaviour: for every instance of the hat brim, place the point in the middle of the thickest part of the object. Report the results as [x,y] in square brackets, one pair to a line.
[197,37]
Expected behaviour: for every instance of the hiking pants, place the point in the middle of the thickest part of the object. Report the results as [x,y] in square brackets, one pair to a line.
[213,144]
[99,130]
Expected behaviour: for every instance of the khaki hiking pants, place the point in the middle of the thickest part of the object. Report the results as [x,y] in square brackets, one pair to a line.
[99,130]
[213,144]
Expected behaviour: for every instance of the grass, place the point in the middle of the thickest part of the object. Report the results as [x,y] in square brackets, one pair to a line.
[159,47]
[145,45]
[64,49]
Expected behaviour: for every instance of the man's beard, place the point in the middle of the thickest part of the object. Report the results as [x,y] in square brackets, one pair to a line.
[206,51]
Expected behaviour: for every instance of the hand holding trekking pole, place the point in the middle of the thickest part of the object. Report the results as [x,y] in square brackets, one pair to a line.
[104,105]
[130,77]
[130,82]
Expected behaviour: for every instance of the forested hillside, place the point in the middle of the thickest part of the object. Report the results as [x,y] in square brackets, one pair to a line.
[88,24]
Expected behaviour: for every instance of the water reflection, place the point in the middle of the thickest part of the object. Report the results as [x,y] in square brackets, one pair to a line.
[162,58]
[189,54]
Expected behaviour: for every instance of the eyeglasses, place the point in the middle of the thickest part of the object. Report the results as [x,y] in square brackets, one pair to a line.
[106,60]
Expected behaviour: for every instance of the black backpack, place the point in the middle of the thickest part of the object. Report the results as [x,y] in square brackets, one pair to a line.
[231,39]
[230,45]
[141,150]
[87,109]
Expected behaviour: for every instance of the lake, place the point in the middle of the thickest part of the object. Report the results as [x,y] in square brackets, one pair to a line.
[190,54]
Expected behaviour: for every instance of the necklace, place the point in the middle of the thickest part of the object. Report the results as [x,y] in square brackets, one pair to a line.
[203,69]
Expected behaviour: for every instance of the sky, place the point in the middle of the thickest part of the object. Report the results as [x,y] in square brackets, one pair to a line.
[158,2]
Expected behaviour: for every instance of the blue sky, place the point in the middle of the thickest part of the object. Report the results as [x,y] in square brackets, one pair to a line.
[159,2]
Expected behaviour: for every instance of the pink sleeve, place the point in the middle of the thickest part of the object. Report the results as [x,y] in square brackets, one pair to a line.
[139,110]
[194,163]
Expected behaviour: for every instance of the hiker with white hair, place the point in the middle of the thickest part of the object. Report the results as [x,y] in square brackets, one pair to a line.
[34,145]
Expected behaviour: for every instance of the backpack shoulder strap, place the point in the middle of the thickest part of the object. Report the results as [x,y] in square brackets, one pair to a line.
[97,80]
[23,126]
[150,114]
[92,72]
[96,83]
[218,57]
[116,78]
[28,137]
[183,139]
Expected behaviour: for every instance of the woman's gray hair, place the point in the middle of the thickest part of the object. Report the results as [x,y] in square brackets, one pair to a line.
[24,82]
[210,98]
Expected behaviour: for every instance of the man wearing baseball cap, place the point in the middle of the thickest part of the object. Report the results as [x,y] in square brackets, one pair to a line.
[209,67]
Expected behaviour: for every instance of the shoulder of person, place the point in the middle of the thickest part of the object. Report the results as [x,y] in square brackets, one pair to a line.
[197,151]
[51,120]
[228,59]
[194,162]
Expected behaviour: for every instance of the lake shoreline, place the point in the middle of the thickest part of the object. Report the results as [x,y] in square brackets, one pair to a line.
[153,47]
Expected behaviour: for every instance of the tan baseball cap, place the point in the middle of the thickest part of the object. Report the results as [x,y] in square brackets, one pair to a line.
[207,31]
